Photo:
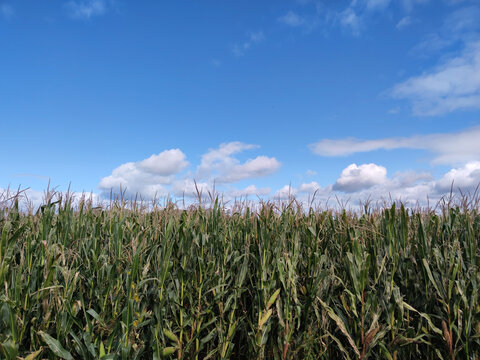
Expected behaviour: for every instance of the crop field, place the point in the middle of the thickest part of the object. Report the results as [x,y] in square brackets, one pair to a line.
[123,282]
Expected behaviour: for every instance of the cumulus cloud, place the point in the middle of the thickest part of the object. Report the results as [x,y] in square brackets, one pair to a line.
[220,165]
[410,187]
[447,148]
[369,182]
[166,163]
[453,85]
[147,177]
[354,178]
[466,178]
[309,187]
[252,168]
[161,174]
[86,9]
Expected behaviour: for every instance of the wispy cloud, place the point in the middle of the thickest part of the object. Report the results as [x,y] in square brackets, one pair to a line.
[459,27]
[6,11]
[404,22]
[86,9]
[349,19]
[353,15]
[453,85]
[408,5]
[447,148]
[463,20]
[377,4]
[292,19]
[215,62]
[239,49]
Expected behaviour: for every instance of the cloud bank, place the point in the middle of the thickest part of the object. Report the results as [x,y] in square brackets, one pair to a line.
[164,174]
[360,183]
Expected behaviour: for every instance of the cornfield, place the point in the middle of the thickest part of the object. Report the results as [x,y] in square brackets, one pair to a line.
[277,282]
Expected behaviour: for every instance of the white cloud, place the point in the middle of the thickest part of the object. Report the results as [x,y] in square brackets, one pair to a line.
[251,190]
[158,175]
[286,193]
[252,168]
[453,85]
[222,157]
[413,187]
[86,9]
[467,178]
[447,148]
[166,163]
[191,188]
[354,178]
[6,11]
[30,199]
[256,37]
[147,177]
[309,188]
[219,164]
[404,22]
[368,182]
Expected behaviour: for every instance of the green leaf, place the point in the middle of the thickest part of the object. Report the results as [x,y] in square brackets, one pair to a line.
[55,346]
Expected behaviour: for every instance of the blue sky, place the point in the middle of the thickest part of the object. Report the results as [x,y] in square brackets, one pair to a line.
[356,98]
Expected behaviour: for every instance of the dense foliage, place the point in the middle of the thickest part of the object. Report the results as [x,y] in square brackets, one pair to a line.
[124,283]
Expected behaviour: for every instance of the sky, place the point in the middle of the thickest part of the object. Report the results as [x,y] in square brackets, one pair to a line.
[346,100]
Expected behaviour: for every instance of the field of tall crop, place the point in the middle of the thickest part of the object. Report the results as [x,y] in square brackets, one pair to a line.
[122,282]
